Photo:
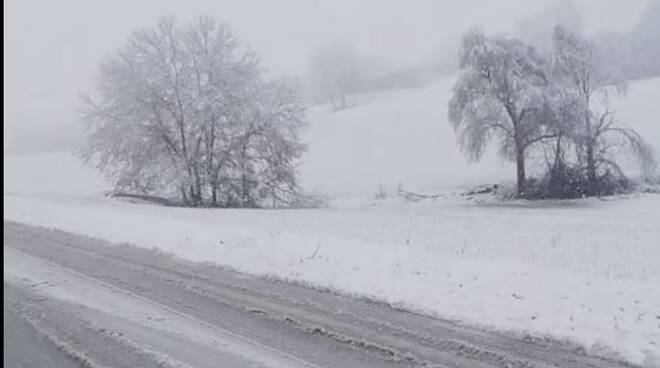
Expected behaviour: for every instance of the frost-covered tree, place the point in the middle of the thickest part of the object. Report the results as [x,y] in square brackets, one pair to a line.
[575,59]
[499,95]
[178,111]
[261,157]
[598,137]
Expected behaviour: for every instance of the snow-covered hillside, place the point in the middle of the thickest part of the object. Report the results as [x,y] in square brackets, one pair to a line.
[404,137]
[585,270]
[396,137]
[388,138]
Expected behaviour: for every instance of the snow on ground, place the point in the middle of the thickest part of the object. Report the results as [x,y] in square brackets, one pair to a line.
[589,271]
[586,270]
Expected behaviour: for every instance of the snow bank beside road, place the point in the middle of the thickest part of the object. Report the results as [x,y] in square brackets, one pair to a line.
[587,271]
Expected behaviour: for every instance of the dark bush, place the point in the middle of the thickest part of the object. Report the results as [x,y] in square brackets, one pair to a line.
[568,182]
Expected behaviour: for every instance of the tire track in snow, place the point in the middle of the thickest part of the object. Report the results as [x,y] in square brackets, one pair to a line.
[398,337]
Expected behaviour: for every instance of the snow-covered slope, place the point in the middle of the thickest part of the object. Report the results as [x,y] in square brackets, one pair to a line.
[405,137]
[388,138]
[398,137]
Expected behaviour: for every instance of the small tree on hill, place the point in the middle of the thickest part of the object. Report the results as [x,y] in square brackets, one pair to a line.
[334,73]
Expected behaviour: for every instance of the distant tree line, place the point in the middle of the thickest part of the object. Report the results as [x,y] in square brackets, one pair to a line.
[336,72]
[186,113]
[553,103]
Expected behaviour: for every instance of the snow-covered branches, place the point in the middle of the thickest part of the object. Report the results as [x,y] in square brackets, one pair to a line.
[598,137]
[186,111]
[510,93]
[498,95]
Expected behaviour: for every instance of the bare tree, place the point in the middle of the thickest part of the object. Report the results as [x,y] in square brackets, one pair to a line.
[334,73]
[597,135]
[500,94]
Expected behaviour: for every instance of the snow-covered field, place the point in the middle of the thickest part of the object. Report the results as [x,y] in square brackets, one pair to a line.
[585,270]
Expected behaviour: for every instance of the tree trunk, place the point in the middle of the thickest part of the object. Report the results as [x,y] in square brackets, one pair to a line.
[591,162]
[559,159]
[198,187]
[193,197]
[334,104]
[244,189]
[558,154]
[212,180]
[591,169]
[520,170]
[520,151]
[214,195]
[184,197]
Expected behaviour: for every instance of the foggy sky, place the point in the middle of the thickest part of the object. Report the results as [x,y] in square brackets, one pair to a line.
[53,48]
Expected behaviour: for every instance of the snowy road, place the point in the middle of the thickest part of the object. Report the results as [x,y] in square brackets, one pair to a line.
[24,346]
[79,300]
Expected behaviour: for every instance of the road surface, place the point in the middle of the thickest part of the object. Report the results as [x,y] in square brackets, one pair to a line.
[71,301]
